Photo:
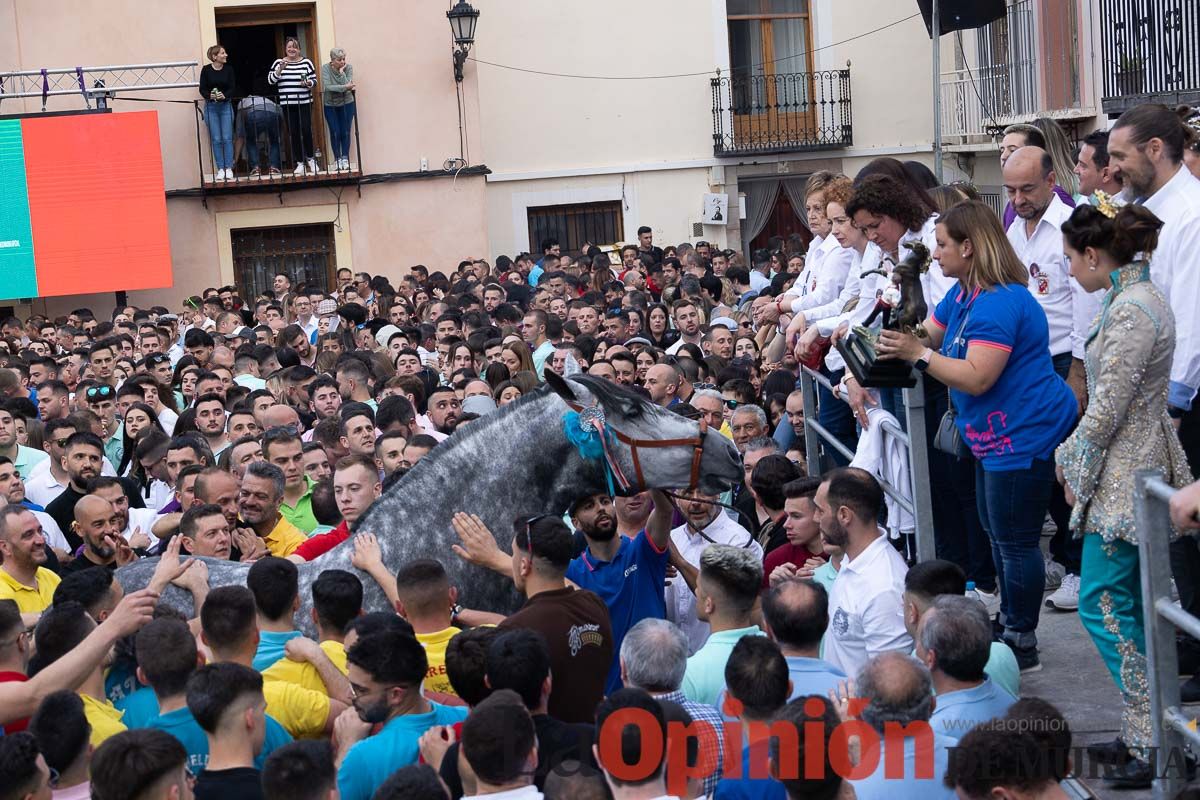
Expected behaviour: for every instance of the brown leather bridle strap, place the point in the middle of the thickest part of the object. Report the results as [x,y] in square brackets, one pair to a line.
[694,442]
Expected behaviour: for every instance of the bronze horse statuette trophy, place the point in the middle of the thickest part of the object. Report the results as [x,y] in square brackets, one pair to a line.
[904,309]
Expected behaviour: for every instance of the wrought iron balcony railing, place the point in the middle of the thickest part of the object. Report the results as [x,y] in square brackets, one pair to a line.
[1149,52]
[781,113]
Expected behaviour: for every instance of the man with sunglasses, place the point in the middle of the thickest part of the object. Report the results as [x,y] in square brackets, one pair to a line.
[49,477]
[101,400]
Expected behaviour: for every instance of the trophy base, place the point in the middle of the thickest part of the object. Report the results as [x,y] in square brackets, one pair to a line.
[858,350]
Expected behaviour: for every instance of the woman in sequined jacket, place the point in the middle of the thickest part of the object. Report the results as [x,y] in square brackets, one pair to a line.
[1125,428]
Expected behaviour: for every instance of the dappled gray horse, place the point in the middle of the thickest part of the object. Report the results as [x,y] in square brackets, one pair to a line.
[513,464]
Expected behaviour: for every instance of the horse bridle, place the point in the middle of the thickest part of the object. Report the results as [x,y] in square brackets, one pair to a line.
[694,442]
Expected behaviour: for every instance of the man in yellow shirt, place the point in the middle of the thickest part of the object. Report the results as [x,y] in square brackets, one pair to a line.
[427,600]
[229,628]
[23,579]
[337,599]
[61,629]
[259,502]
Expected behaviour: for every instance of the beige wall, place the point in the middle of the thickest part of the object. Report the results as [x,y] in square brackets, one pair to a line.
[408,110]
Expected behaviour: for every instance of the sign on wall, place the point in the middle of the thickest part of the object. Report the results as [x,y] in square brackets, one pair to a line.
[716,209]
[82,205]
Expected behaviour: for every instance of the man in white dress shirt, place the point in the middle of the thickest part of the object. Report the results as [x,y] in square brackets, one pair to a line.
[705,525]
[866,605]
[1145,150]
[1036,236]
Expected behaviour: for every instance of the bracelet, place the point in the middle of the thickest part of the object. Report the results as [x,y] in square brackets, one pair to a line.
[848,378]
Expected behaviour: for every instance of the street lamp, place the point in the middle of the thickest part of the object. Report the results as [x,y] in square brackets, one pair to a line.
[462,24]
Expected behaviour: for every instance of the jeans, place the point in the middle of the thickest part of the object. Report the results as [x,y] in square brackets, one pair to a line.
[837,417]
[219,117]
[262,123]
[299,124]
[1185,551]
[1064,547]
[1012,506]
[339,119]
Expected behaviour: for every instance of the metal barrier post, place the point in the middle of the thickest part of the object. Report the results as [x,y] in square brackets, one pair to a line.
[812,441]
[918,470]
[1169,725]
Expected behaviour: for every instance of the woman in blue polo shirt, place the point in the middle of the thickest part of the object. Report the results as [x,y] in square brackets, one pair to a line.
[989,342]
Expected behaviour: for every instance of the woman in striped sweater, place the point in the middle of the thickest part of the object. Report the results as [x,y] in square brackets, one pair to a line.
[295,76]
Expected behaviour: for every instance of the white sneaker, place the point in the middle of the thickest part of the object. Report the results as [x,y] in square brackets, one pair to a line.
[1054,574]
[312,166]
[299,170]
[345,164]
[1066,598]
[990,600]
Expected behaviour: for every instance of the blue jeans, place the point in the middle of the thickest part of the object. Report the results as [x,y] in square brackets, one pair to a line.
[261,123]
[219,117]
[339,119]
[1012,507]
[1064,547]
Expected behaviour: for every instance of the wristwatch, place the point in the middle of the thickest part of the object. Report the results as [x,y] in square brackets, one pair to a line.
[455,610]
[922,362]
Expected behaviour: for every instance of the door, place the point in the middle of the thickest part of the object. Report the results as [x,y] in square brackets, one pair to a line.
[770,57]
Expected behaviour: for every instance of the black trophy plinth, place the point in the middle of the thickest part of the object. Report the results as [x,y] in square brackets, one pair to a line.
[858,349]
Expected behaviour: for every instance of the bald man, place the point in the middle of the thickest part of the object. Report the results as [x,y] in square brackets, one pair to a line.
[1036,236]
[662,381]
[98,524]
[280,415]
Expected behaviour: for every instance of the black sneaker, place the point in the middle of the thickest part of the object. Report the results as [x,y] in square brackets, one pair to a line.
[1190,691]
[1133,774]
[1027,658]
[1113,753]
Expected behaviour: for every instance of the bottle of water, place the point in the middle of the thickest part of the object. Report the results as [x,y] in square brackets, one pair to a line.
[971,590]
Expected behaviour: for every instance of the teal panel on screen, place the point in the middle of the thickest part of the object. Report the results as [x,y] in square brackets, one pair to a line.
[18,278]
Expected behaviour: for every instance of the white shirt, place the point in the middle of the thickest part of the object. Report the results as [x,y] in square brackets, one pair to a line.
[869,290]
[680,342]
[309,327]
[821,282]
[1173,269]
[143,518]
[167,418]
[523,793]
[934,282]
[758,281]
[41,487]
[866,608]
[681,602]
[51,532]
[1069,309]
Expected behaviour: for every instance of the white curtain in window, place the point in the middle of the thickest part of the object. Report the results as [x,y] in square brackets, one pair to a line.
[760,201]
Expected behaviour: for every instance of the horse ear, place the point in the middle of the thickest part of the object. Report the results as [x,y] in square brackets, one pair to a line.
[559,386]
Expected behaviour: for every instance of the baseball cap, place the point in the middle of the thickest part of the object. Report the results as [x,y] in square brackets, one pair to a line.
[385,334]
[478,404]
[725,322]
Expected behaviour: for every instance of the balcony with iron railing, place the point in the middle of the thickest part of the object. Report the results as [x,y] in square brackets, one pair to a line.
[1150,53]
[1029,63]
[270,149]
[781,113]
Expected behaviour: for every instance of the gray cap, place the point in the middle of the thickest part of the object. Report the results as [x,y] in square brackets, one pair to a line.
[478,404]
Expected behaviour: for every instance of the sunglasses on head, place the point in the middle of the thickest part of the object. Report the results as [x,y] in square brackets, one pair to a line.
[704,386]
[103,392]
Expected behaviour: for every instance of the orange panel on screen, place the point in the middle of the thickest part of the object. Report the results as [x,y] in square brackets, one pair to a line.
[96,202]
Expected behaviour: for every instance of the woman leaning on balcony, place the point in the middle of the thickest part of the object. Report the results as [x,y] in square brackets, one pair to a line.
[337,97]
[217,85]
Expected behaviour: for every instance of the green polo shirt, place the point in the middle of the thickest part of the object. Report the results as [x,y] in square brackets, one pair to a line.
[705,674]
[114,446]
[301,514]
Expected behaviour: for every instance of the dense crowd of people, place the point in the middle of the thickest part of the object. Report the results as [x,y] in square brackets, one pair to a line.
[664,639]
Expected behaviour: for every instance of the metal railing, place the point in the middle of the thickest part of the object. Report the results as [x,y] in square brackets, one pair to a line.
[1023,65]
[1171,728]
[915,498]
[779,113]
[265,154]
[1149,50]
[94,82]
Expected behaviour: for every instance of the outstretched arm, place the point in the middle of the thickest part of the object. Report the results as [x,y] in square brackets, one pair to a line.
[658,528]
[20,699]
[479,545]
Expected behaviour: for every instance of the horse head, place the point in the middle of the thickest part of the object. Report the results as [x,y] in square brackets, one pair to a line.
[649,446]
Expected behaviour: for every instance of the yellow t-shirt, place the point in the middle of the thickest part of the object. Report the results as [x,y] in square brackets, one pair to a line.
[284,538]
[103,716]
[435,651]
[304,674]
[302,712]
[30,599]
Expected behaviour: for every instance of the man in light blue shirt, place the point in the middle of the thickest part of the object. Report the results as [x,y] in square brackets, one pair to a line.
[927,581]
[898,692]
[533,328]
[385,671]
[726,589]
[953,642]
[796,613]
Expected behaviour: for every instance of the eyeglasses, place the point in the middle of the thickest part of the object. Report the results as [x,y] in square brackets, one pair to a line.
[357,691]
[731,404]
[104,391]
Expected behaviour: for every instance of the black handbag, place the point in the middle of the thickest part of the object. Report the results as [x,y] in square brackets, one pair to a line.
[948,439]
